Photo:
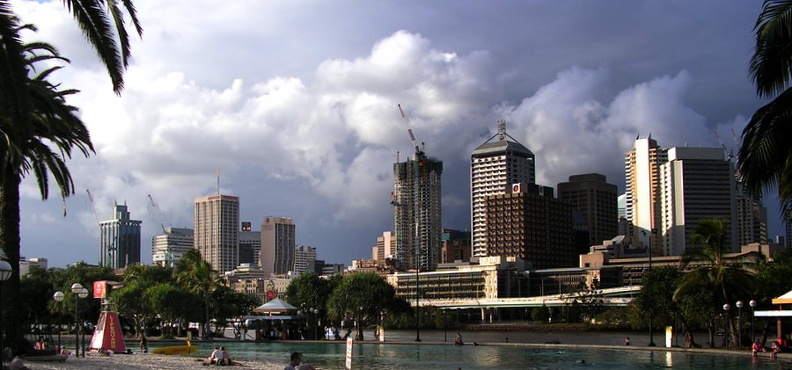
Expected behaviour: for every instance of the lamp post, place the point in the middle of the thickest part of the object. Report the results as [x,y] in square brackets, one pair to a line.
[318,322]
[726,330]
[79,292]
[58,296]
[5,274]
[739,305]
[651,321]
[752,303]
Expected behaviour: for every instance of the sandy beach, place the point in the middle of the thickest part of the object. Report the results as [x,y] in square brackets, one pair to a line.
[94,361]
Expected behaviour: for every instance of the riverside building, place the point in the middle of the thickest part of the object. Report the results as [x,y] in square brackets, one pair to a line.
[216,219]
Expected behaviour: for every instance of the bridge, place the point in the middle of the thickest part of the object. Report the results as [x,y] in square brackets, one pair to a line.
[621,296]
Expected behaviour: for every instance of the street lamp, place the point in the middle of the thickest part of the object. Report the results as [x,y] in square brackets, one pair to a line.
[752,303]
[726,329]
[739,305]
[58,296]
[79,292]
[651,321]
[5,274]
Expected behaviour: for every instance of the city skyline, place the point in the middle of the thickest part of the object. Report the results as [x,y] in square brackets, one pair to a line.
[302,121]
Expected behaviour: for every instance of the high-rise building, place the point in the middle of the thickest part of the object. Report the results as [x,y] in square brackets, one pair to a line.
[494,166]
[304,259]
[249,245]
[751,217]
[455,246]
[168,248]
[216,233]
[119,240]
[417,211]
[278,242]
[642,177]
[529,223]
[385,248]
[596,199]
[696,183]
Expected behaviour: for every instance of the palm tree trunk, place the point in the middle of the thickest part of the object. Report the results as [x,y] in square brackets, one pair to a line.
[9,243]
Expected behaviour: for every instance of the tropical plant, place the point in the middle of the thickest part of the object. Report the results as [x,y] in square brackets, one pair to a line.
[361,297]
[706,265]
[765,155]
[195,275]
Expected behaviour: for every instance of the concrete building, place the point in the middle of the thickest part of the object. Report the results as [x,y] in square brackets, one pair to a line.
[26,263]
[385,248]
[494,166]
[168,248]
[751,217]
[249,245]
[119,239]
[695,183]
[278,242]
[216,235]
[531,225]
[596,199]
[304,259]
[455,246]
[642,190]
[417,211]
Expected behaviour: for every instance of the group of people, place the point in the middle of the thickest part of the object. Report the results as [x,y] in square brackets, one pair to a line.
[778,345]
[219,357]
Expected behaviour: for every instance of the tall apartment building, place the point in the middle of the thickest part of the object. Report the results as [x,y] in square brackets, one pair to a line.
[696,183]
[216,235]
[417,211]
[529,223]
[119,239]
[249,245]
[278,242]
[751,218]
[494,166]
[168,248]
[596,199]
[642,190]
[304,259]
[385,248]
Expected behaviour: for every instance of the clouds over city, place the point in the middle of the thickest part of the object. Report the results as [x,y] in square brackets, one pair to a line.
[302,120]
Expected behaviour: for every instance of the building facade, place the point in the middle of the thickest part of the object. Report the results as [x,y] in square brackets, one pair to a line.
[216,235]
[304,259]
[642,190]
[278,243]
[119,240]
[696,183]
[168,248]
[596,199]
[533,226]
[494,166]
[249,245]
[417,211]
[455,246]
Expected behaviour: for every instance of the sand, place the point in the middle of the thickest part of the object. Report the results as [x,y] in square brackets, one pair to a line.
[94,361]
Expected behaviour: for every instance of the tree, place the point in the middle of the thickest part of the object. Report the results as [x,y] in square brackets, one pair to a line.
[196,275]
[765,155]
[362,297]
[708,266]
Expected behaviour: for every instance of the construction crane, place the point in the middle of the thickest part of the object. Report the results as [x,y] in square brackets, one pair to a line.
[111,249]
[95,210]
[418,149]
[159,213]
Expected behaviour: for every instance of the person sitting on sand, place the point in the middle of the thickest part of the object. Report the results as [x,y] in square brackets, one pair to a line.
[756,348]
[212,359]
[295,363]
[458,340]
[224,359]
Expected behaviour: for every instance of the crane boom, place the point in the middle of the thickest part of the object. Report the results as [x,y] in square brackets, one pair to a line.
[159,213]
[95,210]
[407,122]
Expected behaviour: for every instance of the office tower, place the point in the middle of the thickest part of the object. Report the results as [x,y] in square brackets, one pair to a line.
[530,224]
[596,199]
[278,240]
[168,248]
[417,211]
[454,246]
[751,218]
[216,235]
[119,239]
[249,245]
[494,166]
[304,259]
[642,177]
[385,248]
[696,183]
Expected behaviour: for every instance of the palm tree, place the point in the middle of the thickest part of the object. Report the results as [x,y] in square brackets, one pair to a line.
[197,276]
[40,146]
[765,155]
[707,264]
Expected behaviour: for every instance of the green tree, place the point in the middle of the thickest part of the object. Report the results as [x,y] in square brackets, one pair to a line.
[362,297]
[174,306]
[196,276]
[707,265]
[129,303]
[232,307]
[765,155]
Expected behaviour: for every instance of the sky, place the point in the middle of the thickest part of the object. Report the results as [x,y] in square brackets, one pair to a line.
[294,105]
